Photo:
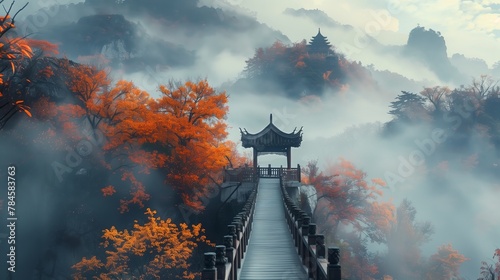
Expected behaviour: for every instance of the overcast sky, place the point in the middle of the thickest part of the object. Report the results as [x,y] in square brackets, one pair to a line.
[468,26]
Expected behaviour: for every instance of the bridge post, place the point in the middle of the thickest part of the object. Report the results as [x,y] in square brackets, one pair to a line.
[305,232]
[245,230]
[320,246]
[299,173]
[249,209]
[248,227]
[209,271]
[288,206]
[311,237]
[241,230]
[269,170]
[232,231]
[237,223]
[298,218]
[312,259]
[333,268]
[220,261]
[292,220]
[228,242]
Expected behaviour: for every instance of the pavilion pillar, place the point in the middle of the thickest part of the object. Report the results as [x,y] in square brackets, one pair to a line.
[254,159]
[289,158]
[255,171]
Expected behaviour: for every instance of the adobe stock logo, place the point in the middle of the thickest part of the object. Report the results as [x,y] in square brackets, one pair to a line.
[282,118]
[47,10]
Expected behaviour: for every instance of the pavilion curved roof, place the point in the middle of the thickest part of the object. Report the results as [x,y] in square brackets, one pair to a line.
[271,138]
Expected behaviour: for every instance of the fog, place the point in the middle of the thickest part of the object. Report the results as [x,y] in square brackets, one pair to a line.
[464,209]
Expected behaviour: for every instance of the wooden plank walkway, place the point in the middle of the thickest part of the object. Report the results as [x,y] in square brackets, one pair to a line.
[271,253]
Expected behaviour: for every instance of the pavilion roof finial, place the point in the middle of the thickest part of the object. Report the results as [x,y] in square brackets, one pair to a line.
[270,118]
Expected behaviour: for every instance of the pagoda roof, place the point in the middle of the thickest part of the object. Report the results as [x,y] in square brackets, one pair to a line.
[319,39]
[271,138]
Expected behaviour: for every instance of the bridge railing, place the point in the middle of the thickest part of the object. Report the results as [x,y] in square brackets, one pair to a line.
[310,246]
[223,264]
[248,174]
[241,174]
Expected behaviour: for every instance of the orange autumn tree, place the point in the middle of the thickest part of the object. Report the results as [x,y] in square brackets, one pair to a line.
[13,50]
[192,120]
[404,239]
[445,263]
[128,123]
[24,68]
[345,197]
[87,83]
[182,132]
[120,113]
[158,249]
[357,261]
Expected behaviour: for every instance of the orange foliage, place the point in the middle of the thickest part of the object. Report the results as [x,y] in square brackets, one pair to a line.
[437,96]
[356,72]
[237,159]
[109,190]
[44,46]
[85,81]
[12,52]
[129,119]
[164,249]
[445,263]
[403,240]
[137,192]
[300,64]
[355,259]
[345,196]
[184,130]
[191,116]
[87,265]
[122,115]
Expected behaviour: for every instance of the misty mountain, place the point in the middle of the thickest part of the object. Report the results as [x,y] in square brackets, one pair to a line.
[137,34]
[317,16]
[429,48]
[390,80]
[118,40]
[472,67]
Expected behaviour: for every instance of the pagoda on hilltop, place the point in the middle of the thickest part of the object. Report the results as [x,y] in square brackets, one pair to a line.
[319,45]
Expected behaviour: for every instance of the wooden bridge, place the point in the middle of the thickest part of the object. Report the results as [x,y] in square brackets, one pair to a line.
[271,238]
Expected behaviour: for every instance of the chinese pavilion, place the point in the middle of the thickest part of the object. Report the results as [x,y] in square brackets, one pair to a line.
[319,45]
[271,140]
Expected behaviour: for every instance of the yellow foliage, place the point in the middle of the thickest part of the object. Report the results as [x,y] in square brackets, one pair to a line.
[164,246]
